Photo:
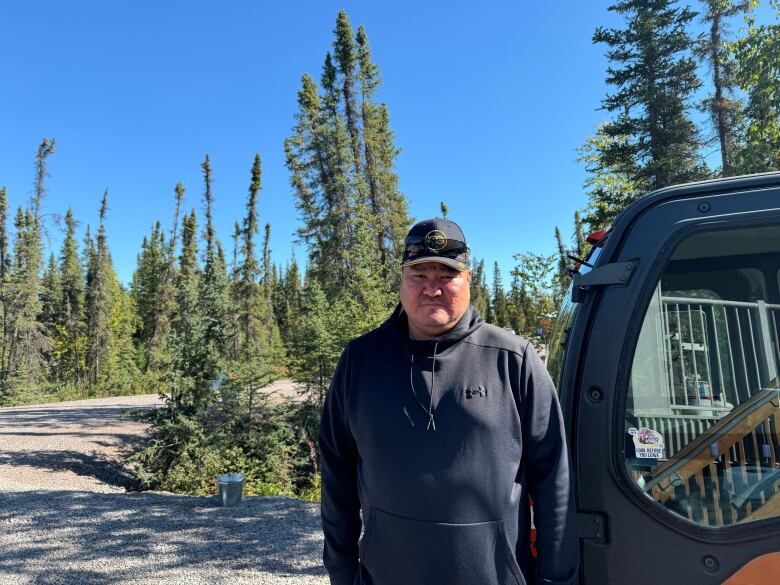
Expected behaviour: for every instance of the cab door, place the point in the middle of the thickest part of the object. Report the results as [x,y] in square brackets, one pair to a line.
[670,390]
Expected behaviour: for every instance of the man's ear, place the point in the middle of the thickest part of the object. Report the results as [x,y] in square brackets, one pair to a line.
[469,273]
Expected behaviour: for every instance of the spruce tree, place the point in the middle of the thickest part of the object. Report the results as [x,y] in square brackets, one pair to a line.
[580,243]
[346,63]
[72,334]
[164,305]
[187,350]
[5,298]
[480,294]
[499,310]
[99,303]
[289,306]
[518,305]
[722,106]
[249,272]
[29,343]
[653,70]
[613,182]
[147,287]
[389,212]
[562,277]
[213,303]
[341,157]
[757,72]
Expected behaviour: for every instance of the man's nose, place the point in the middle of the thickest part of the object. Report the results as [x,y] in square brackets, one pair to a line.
[432,289]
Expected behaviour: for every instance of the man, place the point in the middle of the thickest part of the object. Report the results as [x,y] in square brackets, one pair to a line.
[438,426]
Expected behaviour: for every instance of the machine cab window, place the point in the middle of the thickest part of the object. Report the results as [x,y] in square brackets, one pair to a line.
[702,408]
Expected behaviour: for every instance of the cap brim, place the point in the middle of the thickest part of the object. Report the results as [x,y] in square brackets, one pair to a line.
[451,262]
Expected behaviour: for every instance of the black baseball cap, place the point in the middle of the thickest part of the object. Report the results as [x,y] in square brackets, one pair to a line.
[437,240]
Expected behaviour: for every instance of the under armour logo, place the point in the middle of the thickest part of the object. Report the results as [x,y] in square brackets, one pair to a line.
[481,392]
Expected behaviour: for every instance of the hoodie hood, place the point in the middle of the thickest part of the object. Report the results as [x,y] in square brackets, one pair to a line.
[397,328]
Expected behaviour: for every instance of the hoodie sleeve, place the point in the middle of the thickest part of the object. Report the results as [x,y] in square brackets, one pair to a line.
[549,481]
[340,505]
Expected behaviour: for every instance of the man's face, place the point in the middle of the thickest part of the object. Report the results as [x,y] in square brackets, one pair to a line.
[434,297]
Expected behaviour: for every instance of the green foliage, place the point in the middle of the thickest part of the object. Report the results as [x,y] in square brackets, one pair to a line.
[536,278]
[480,293]
[757,72]
[653,71]
[613,182]
[341,158]
[721,104]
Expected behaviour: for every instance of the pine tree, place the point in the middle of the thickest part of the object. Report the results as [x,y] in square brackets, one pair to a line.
[5,297]
[315,347]
[480,295]
[342,157]
[99,303]
[724,109]
[562,277]
[445,211]
[289,304]
[120,370]
[147,288]
[187,351]
[344,53]
[164,304]
[28,343]
[757,72]
[580,243]
[499,312]
[653,71]
[518,305]
[213,303]
[71,340]
[389,210]
[249,271]
[613,182]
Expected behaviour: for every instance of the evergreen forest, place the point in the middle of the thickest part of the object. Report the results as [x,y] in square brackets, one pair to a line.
[210,320]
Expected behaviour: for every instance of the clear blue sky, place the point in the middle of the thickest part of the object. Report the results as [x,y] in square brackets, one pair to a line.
[488,106]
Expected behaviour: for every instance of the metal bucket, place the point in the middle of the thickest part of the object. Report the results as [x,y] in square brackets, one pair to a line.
[231,488]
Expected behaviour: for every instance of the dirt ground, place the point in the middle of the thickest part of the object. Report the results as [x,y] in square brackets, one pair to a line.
[79,444]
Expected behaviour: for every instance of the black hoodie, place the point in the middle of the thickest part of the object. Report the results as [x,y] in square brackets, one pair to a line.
[444,490]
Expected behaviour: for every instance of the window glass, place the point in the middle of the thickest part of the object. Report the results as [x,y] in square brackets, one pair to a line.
[703,410]
[556,352]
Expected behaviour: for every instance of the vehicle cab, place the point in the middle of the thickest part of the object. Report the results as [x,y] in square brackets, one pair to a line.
[666,354]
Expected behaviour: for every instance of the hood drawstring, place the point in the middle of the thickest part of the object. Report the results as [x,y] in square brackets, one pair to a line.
[428,411]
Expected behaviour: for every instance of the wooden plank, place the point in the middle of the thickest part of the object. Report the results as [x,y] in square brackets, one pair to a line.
[728,431]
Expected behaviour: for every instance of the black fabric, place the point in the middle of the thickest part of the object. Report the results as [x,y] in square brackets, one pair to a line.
[448,506]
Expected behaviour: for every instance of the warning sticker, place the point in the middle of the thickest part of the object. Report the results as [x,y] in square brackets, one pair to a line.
[648,444]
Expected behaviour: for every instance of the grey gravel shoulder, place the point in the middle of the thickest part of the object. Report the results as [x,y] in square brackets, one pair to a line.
[65,536]
[65,517]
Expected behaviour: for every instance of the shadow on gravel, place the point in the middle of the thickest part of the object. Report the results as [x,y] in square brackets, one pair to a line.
[51,418]
[94,465]
[107,537]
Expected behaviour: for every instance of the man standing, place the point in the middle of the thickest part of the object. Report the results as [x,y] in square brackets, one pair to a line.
[438,426]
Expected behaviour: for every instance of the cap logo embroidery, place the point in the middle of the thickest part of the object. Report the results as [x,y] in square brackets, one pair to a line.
[435,240]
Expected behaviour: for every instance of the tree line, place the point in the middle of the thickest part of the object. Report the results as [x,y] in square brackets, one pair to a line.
[210,326]
[678,95]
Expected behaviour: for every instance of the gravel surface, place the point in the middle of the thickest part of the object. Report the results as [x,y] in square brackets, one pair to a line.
[66,518]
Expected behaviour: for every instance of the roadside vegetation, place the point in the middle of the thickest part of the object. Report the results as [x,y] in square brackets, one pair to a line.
[209,326]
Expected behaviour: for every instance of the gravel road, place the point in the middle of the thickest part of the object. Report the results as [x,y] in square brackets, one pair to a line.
[66,518]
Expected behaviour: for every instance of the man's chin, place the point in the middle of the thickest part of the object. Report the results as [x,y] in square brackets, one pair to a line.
[437,321]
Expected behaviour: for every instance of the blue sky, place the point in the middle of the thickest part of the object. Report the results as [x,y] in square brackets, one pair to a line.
[488,105]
